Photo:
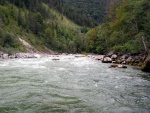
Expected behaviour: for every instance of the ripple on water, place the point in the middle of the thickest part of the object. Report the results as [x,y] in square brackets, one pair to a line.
[71,85]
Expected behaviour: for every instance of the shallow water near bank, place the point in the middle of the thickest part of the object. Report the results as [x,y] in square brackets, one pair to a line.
[71,85]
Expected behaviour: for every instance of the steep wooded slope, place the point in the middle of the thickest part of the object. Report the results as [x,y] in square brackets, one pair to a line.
[42,23]
[37,23]
[127,28]
[92,9]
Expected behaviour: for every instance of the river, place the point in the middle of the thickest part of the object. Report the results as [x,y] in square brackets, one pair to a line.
[71,85]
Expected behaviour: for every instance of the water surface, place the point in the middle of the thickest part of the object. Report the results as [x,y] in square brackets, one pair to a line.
[71,85]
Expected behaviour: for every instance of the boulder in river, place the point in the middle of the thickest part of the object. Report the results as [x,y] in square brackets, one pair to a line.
[99,57]
[146,65]
[107,60]
[114,56]
[12,56]
[5,56]
[122,66]
[1,54]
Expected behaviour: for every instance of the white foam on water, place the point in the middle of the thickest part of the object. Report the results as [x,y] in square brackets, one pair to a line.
[38,66]
[97,86]
[46,81]
[80,62]
[61,69]
[3,64]
[30,63]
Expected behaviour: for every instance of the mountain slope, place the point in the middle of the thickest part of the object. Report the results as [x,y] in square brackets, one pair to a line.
[92,9]
[44,24]
[38,24]
[127,29]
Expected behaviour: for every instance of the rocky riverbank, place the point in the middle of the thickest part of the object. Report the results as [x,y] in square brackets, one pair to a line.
[56,55]
[119,60]
[131,59]
[21,55]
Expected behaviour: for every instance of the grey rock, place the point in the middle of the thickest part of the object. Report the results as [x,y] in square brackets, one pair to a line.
[117,66]
[110,54]
[25,55]
[114,56]
[124,57]
[5,56]
[107,60]
[129,59]
[12,56]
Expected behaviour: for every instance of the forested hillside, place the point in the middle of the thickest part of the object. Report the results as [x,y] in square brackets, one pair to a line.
[39,23]
[65,25]
[127,27]
[93,10]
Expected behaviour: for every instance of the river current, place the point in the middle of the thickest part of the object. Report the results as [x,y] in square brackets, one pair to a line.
[71,85]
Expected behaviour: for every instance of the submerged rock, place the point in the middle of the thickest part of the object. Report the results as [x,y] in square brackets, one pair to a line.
[55,59]
[117,66]
[78,56]
[113,66]
[122,66]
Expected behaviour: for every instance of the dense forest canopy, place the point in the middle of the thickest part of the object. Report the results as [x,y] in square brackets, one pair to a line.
[127,23]
[94,10]
[65,25]
[38,23]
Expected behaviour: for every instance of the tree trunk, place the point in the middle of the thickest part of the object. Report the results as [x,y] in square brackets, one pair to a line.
[144,44]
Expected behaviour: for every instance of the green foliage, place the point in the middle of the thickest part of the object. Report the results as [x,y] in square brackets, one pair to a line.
[38,24]
[8,42]
[125,29]
[97,39]
[44,23]
[130,19]
[86,12]
[118,48]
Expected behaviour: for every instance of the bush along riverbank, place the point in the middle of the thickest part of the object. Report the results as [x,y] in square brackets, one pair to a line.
[140,59]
